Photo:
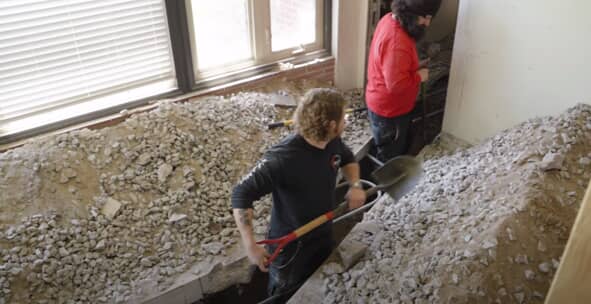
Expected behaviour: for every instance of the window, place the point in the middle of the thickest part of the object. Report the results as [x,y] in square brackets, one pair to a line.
[67,61]
[62,59]
[251,32]
[293,23]
[221,32]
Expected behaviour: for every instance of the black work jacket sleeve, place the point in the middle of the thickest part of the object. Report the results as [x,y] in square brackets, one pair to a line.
[258,182]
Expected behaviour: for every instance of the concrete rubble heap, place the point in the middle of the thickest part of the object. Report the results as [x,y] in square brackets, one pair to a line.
[487,224]
[86,215]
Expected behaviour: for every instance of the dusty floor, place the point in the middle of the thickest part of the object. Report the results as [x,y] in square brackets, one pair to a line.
[487,224]
[85,215]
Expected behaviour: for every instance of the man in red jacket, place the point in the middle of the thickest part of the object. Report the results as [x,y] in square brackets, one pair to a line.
[394,73]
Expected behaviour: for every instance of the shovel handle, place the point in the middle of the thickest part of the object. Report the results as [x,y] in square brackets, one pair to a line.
[279,124]
[313,224]
[283,241]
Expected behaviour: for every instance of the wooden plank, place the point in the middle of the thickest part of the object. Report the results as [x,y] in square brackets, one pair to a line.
[572,281]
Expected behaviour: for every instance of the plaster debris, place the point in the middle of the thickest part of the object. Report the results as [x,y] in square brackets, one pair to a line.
[86,215]
[483,226]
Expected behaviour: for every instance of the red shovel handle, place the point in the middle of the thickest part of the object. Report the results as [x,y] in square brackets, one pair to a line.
[282,242]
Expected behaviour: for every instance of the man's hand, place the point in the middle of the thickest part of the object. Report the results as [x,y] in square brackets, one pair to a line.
[424,73]
[258,256]
[423,63]
[355,197]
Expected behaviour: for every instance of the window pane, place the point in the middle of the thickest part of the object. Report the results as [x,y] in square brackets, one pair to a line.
[221,32]
[293,23]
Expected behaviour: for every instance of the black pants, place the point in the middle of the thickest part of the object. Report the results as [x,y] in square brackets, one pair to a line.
[294,265]
[390,135]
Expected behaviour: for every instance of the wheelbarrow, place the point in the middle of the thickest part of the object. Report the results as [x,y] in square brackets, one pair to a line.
[396,177]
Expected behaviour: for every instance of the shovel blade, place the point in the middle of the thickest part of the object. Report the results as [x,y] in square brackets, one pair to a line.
[399,175]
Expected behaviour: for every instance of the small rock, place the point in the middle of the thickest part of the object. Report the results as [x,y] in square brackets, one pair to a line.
[350,252]
[541,247]
[552,161]
[510,234]
[519,297]
[544,267]
[529,274]
[111,208]
[163,172]
[167,246]
[100,245]
[63,252]
[469,253]
[332,268]
[146,262]
[489,244]
[176,217]
[585,161]
[538,295]
[454,278]
[69,173]
[144,159]
[213,247]
[521,259]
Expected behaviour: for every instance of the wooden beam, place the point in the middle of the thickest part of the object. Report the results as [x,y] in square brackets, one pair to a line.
[572,282]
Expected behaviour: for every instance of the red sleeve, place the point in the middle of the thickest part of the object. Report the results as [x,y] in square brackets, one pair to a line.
[399,75]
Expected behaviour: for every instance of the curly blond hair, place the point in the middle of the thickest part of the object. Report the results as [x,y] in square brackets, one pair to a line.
[315,112]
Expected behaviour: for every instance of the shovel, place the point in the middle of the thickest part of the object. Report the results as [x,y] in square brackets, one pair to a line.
[396,177]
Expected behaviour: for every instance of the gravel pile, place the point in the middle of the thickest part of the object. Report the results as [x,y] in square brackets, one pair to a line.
[86,216]
[487,224]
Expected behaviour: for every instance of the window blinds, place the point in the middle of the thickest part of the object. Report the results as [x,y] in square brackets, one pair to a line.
[65,58]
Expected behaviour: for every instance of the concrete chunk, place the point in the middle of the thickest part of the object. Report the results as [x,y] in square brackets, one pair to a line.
[111,208]
[351,252]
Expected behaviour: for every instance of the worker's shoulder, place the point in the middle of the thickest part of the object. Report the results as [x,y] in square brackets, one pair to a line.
[287,148]
[390,34]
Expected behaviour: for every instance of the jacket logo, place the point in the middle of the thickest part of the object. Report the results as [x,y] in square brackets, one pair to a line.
[335,161]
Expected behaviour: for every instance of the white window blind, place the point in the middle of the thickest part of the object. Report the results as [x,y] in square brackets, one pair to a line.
[65,58]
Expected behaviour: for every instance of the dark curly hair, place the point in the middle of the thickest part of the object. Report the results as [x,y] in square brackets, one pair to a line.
[416,7]
[315,112]
[407,12]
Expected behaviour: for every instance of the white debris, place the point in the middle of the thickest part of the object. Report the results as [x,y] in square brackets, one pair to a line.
[111,208]
[176,217]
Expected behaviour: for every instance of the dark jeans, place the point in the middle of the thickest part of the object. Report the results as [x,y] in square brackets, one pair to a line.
[390,135]
[294,265]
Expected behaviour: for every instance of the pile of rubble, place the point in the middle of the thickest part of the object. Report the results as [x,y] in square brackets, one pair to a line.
[85,216]
[487,224]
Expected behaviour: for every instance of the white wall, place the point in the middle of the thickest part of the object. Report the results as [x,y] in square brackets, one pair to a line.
[515,60]
[349,35]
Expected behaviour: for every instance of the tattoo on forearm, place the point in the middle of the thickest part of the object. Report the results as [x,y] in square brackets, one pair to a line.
[244,218]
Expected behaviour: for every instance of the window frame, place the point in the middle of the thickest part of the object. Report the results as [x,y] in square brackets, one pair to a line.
[263,58]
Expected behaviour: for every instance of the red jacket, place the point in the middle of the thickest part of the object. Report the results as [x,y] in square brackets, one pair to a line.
[392,79]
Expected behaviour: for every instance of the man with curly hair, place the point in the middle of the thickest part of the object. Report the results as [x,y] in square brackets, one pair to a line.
[394,73]
[301,173]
